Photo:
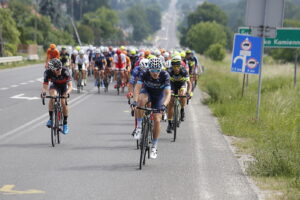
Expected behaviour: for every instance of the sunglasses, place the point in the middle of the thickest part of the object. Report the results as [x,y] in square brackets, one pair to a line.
[176,66]
[57,69]
[155,70]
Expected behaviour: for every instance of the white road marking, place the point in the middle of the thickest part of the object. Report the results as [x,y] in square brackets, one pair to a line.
[21,96]
[31,81]
[40,79]
[24,83]
[13,86]
[37,121]
[4,88]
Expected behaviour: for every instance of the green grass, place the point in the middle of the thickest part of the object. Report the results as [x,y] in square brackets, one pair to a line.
[20,64]
[275,138]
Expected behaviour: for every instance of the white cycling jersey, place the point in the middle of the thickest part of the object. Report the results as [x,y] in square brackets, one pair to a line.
[82,61]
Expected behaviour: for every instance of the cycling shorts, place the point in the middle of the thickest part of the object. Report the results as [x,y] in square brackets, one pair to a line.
[156,101]
[175,87]
[80,67]
[61,89]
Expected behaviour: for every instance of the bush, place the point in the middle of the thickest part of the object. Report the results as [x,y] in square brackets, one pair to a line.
[216,52]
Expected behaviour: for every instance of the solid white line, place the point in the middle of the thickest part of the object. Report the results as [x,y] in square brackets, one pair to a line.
[22,128]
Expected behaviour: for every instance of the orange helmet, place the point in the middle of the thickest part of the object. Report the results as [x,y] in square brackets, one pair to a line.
[146,53]
[52,46]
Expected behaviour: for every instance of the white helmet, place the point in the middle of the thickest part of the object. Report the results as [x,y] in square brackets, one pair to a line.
[75,52]
[97,51]
[166,55]
[81,52]
[157,52]
[144,63]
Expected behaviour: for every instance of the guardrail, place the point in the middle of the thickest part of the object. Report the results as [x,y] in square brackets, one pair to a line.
[11,59]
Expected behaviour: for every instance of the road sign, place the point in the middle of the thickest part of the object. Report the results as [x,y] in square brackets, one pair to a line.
[286,38]
[246,54]
[264,15]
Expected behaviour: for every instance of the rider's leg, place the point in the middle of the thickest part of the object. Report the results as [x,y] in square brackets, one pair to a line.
[182,92]
[156,129]
[142,100]
[84,76]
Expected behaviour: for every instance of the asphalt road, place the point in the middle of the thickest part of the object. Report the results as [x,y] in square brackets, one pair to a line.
[98,159]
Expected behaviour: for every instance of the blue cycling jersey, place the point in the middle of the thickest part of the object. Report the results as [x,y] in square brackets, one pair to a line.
[135,74]
[155,87]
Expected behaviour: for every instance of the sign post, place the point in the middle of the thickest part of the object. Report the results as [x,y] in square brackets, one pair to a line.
[264,17]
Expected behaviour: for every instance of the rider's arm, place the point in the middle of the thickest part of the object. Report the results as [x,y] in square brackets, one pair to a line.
[167,95]
[137,90]
[45,83]
[70,87]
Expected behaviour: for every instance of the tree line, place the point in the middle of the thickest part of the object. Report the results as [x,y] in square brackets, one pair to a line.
[99,22]
[210,27]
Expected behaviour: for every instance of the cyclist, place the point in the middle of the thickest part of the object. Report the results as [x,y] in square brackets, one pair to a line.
[153,86]
[109,60]
[52,52]
[61,85]
[180,82]
[64,57]
[73,61]
[81,63]
[193,66]
[99,64]
[119,62]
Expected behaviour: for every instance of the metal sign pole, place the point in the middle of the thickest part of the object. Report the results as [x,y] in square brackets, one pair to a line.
[296,66]
[243,88]
[260,79]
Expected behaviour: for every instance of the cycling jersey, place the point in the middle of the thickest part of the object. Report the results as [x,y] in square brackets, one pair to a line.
[136,72]
[73,59]
[109,59]
[192,63]
[52,54]
[64,57]
[58,82]
[99,62]
[133,60]
[120,61]
[179,80]
[154,87]
[82,62]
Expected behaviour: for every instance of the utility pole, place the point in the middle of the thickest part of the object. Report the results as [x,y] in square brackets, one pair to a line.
[1,42]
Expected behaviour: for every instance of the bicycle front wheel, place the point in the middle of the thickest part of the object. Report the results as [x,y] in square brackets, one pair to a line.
[143,146]
[175,121]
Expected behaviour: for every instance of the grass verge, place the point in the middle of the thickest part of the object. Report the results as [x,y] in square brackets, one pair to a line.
[20,64]
[274,140]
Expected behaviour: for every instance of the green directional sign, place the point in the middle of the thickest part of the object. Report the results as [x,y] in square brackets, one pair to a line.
[286,38]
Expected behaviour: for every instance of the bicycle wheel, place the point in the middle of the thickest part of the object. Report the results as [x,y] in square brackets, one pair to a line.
[143,145]
[175,120]
[60,125]
[98,84]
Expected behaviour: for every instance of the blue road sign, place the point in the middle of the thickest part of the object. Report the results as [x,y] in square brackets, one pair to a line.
[246,54]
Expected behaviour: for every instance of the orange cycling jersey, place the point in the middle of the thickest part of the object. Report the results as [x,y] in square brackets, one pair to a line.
[128,63]
[52,54]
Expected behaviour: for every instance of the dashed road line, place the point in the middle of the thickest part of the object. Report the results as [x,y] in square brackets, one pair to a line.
[13,86]
[24,83]
[4,88]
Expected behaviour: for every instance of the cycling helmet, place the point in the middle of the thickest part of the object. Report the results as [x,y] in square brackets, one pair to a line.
[97,51]
[182,54]
[54,64]
[77,48]
[144,63]
[118,51]
[63,48]
[105,49]
[176,60]
[52,46]
[188,52]
[157,52]
[133,52]
[155,63]
[81,52]
[166,55]
[75,52]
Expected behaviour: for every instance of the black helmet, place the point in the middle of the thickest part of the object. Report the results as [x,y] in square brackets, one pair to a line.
[55,64]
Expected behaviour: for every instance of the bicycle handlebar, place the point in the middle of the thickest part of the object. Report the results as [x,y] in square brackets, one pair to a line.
[55,97]
[148,109]
[175,95]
